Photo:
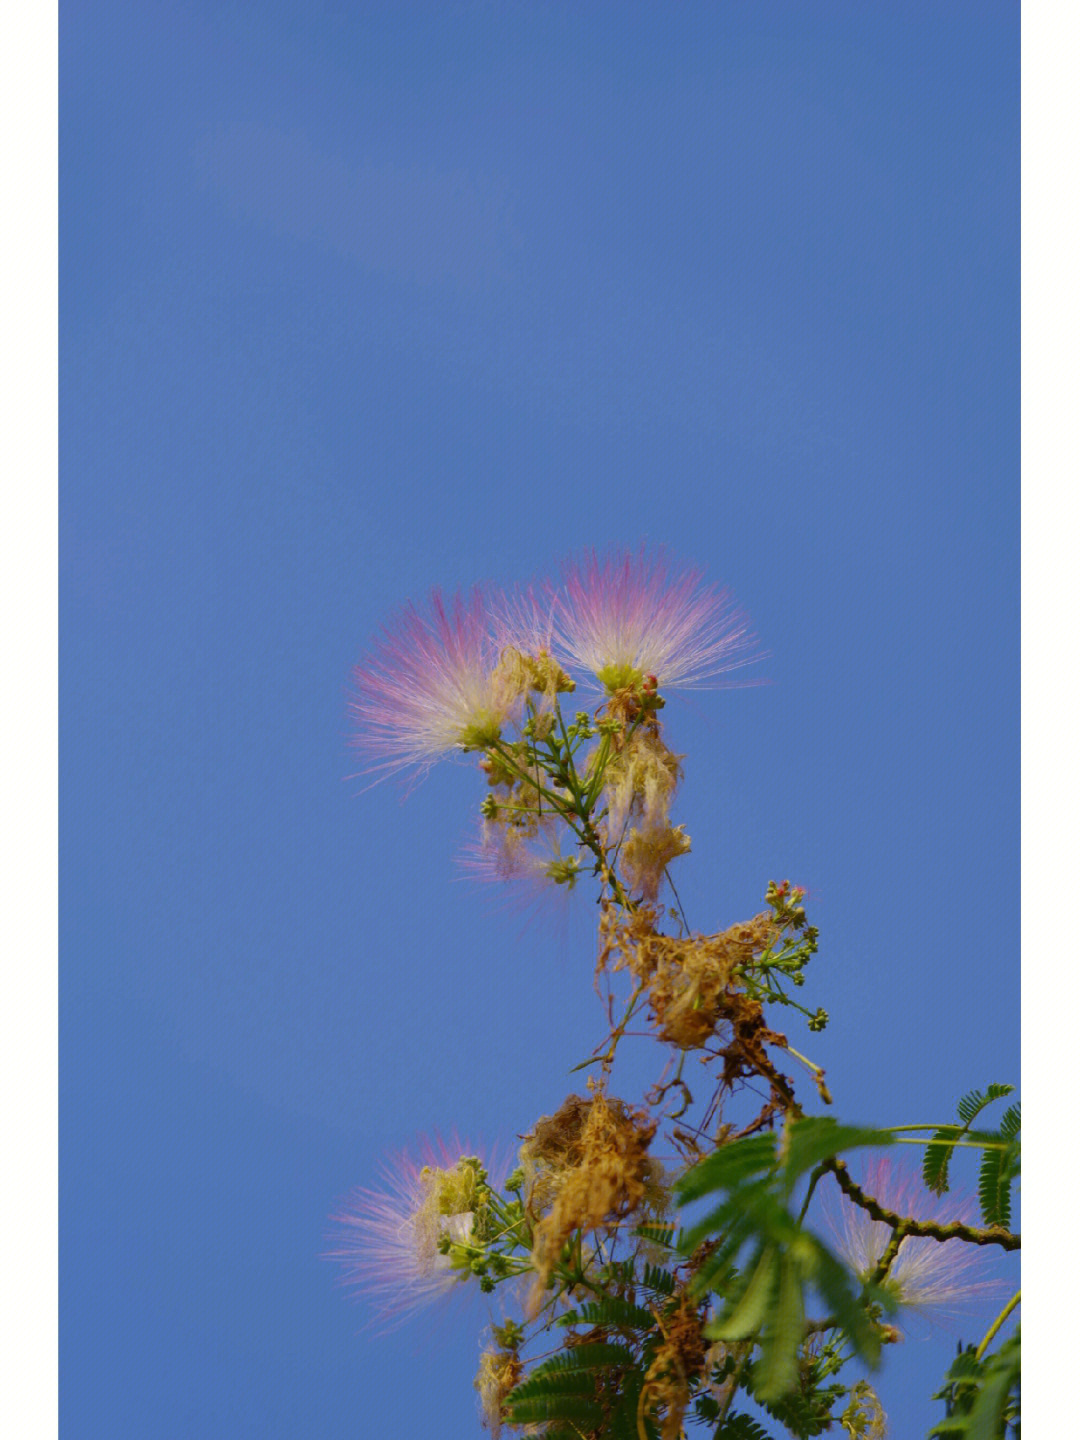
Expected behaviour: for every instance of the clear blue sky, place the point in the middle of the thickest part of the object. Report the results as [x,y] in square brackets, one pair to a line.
[364,298]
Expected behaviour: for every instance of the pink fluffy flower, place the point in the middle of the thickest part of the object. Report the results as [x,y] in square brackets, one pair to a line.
[927,1274]
[524,617]
[530,856]
[430,686]
[625,618]
[388,1240]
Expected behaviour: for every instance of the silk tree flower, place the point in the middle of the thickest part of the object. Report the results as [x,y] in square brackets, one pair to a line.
[530,855]
[391,1241]
[626,618]
[927,1275]
[524,627]
[431,686]
[524,618]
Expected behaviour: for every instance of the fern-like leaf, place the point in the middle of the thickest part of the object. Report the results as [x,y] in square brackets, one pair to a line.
[728,1167]
[998,1401]
[612,1312]
[998,1170]
[939,1151]
[583,1412]
[778,1369]
[974,1101]
[745,1317]
[740,1426]
[982,1397]
[660,1282]
[623,1422]
[576,1358]
[658,1234]
[937,1157]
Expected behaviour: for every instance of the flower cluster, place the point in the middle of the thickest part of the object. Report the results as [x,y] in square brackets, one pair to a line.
[484,674]
[659,1326]
[410,1242]
[451,678]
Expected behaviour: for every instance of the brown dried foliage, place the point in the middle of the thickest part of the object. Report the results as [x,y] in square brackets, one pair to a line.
[500,1372]
[589,1163]
[677,1364]
[694,992]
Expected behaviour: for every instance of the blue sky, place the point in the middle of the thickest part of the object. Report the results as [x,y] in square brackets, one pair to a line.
[358,300]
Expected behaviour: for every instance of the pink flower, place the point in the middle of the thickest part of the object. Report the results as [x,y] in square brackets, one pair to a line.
[525,619]
[389,1240]
[625,618]
[927,1274]
[430,686]
[529,855]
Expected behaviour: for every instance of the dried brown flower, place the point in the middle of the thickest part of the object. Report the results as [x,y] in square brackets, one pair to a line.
[589,1163]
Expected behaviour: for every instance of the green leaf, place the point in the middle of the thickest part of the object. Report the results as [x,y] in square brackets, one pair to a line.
[975,1101]
[979,1394]
[1010,1122]
[660,1282]
[737,1218]
[778,1369]
[937,1157]
[567,1376]
[658,1234]
[740,1426]
[597,1355]
[998,1170]
[623,1423]
[833,1280]
[817,1137]
[939,1153]
[1002,1376]
[542,1386]
[586,1413]
[612,1311]
[748,1315]
[728,1167]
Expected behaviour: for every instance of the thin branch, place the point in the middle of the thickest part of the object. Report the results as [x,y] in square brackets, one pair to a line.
[906,1225]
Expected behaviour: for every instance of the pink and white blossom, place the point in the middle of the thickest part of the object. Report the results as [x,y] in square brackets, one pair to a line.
[628,617]
[532,857]
[927,1274]
[388,1239]
[429,686]
[524,618]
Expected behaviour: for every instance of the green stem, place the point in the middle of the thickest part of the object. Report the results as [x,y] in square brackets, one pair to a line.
[736,1378]
[815,1176]
[598,773]
[557,802]
[571,814]
[617,1033]
[897,1129]
[996,1326]
[963,1144]
[808,1063]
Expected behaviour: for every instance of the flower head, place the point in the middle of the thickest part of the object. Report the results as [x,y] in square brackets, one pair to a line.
[927,1274]
[626,618]
[530,854]
[431,686]
[397,1244]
